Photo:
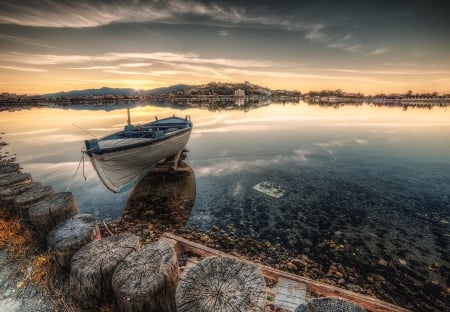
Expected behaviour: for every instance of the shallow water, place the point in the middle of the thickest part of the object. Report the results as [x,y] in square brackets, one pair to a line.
[376,177]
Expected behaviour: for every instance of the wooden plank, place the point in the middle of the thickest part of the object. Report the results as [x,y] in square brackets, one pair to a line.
[290,294]
[322,289]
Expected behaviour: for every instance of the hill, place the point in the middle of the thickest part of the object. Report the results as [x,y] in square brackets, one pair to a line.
[115,91]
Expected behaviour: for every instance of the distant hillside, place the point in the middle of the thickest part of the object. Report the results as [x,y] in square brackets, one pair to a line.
[115,91]
[222,89]
[90,92]
[173,88]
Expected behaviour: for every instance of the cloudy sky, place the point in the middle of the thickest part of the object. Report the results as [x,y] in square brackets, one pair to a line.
[367,46]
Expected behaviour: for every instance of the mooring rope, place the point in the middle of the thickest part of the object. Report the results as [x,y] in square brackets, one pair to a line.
[76,171]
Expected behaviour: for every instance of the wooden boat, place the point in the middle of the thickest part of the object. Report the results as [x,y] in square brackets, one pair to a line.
[122,159]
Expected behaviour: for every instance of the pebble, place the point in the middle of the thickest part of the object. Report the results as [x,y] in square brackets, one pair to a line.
[291,267]
[298,263]
[204,238]
[354,287]
[402,262]
[382,262]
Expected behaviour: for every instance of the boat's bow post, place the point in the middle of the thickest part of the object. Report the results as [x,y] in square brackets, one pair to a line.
[128,113]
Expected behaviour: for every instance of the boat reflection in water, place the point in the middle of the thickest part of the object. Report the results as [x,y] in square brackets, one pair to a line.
[160,202]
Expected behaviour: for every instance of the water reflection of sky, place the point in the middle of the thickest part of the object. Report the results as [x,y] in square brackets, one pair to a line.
[271,142]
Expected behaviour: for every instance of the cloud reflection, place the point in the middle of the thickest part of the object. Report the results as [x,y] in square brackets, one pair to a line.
[232,128]
[231,166]
[33,132]
[52,139]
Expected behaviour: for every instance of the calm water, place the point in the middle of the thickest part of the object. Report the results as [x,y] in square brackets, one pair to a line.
[377,176]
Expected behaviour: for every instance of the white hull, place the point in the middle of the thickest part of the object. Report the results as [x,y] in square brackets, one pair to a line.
[120,170]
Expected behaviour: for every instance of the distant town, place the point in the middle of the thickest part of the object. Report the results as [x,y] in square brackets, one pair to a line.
[218,95]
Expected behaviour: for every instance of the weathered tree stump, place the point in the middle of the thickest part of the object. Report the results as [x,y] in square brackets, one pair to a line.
[146,279]
[8,179]
[221,284]
[68,237]
[49,212]
[92,268]
[23,201]
[329,305]
[7,195]
[9,168]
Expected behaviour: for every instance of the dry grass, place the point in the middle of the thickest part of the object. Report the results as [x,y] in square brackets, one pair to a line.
[16,237]
[34,266]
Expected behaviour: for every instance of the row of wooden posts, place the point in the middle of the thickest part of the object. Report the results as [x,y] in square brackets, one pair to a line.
[118,268]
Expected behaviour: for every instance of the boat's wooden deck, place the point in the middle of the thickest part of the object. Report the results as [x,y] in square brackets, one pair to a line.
[274,277]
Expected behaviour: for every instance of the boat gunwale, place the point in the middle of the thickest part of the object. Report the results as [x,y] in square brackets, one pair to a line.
[101,151]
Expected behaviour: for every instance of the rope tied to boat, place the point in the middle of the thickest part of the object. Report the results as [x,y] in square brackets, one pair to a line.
[76,171]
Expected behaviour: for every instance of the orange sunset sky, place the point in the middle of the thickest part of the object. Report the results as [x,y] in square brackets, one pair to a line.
[358,46]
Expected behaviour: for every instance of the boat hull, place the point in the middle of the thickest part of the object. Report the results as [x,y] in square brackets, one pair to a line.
[121,169]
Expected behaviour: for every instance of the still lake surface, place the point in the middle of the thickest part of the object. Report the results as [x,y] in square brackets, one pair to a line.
[377,176]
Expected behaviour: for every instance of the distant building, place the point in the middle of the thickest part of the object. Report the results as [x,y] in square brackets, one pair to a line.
[239,93]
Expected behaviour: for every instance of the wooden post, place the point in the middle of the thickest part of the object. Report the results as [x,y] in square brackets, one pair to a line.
[9,168]
[49,212]
[221,284]
[329,305]
[92,268]
[146,279]
[7,195]
[68,237]
[8,179]
[24,200]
